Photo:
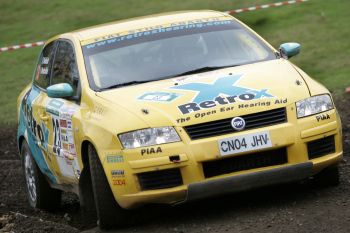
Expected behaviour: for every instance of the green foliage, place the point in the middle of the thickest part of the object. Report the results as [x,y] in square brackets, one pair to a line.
[320,26]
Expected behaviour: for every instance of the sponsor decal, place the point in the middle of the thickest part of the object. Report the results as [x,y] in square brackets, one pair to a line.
[57,142]
[99,110]
[44,70]
[66,155]
[115,159]
[202,114]
[69,124]
[63,123]
[117,173]
[151,150]
[159,96]
[39,131]
[117,177]
[67,112]
[183,120]
[264,103]
[70,137]
[322,117]
[64,137]
[68,159]
[155,30]
[223,91]
[65,146]
[71,148]
[54,106]
[191,78]
[119,182]
[35,132]
[56,103]
[45,61]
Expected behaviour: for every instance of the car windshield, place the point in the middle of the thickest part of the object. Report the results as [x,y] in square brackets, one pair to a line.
[165,52]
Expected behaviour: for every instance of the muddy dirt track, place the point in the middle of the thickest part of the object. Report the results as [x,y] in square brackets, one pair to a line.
[301,207]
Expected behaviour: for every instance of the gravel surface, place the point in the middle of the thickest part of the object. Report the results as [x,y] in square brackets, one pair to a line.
[299,207]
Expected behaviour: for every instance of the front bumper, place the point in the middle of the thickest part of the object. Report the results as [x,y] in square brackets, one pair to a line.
[248,181]
[293,135]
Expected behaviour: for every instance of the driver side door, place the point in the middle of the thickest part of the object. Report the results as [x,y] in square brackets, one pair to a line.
[61,111]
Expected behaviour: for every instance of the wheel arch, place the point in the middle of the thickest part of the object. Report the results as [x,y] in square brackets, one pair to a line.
[85,160]
[20,140]
[84,152]
[85,177]
[85,157]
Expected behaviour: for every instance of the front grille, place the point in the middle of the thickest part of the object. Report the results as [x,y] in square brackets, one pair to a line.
[245,162]
[321,147]
[220,127]
[160,179]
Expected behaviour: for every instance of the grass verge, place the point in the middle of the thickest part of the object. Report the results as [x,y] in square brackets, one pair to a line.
[319,25]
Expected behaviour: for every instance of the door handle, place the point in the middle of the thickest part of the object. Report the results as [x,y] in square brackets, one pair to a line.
[44,117]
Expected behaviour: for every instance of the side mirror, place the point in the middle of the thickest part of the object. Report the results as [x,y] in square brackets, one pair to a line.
[61,90]
[288,50]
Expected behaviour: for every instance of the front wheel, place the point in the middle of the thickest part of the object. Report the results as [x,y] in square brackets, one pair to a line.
[109,213]
[39,193]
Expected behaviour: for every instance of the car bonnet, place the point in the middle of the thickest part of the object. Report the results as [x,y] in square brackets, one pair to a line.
[212,95]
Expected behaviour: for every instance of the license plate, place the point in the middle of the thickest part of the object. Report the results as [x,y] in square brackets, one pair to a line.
[247,142]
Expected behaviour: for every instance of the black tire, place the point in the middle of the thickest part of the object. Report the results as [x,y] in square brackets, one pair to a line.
[86,198]
[109,213]
[39,193]
[328,177]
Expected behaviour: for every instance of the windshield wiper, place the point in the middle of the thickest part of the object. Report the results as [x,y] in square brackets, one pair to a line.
[195,71]
[124,84]
[203,69]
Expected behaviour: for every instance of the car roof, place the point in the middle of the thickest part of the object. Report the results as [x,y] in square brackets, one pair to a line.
[100,32]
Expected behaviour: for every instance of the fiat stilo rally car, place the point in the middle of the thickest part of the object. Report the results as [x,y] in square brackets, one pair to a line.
[167,109]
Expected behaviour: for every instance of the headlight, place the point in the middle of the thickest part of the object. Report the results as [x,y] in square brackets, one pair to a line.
[148,137]
[313,105]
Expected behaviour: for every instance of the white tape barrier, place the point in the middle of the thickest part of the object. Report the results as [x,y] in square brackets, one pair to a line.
[270,5]
[237,11]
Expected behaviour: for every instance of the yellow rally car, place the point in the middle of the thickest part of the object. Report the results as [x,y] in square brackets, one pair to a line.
[170,108]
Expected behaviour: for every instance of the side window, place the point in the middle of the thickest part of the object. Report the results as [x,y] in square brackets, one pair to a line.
[43,70]
[64,69]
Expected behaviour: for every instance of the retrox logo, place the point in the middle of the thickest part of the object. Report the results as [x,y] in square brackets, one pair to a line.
[223,91]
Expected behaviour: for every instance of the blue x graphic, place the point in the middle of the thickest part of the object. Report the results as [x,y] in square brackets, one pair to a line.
[224,85]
